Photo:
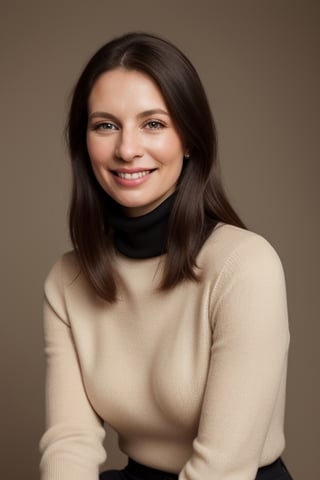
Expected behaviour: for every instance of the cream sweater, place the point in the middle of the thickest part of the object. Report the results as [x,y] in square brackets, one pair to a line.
[193,380]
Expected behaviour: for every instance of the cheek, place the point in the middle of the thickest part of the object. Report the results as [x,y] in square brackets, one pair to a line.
[99,161]
[170,151]
[98,151]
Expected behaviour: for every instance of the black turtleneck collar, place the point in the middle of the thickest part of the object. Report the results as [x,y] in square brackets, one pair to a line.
[144,236]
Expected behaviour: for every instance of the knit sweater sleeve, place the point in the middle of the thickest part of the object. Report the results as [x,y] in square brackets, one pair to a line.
[71,447]
[247,369]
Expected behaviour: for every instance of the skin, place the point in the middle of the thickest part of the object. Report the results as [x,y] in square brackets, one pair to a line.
[134,147]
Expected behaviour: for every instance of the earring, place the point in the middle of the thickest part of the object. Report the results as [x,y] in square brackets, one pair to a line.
[187,155]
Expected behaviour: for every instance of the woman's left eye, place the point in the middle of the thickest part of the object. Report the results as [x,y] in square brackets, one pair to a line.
[154,124]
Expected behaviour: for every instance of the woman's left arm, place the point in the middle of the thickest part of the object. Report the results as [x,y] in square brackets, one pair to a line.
[245,386]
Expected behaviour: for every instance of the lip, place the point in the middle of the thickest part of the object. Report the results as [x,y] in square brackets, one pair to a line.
[132,182]
[132,170]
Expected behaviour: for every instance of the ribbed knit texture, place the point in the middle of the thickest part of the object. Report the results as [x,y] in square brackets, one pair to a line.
[144,236]
[192,379]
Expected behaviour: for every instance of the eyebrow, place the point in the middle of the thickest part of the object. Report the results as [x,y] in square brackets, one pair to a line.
[143,114]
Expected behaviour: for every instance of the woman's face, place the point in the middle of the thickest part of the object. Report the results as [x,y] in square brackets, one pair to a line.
[134,147]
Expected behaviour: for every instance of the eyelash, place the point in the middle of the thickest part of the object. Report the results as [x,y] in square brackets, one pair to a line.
[157,122]
[100,126]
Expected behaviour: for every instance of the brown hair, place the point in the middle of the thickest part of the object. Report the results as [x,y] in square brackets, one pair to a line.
[200,200]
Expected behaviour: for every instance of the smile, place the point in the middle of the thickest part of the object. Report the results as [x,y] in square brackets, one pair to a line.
[134,175]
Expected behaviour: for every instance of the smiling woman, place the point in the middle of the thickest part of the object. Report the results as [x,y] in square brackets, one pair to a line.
[168,320]
[134,147]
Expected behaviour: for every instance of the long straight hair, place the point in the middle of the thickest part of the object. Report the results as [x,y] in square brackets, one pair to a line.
[200,200]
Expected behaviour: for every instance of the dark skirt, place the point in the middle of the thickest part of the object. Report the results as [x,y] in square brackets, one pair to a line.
[135,471]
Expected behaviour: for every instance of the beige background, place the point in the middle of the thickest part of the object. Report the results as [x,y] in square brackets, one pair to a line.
[259,61]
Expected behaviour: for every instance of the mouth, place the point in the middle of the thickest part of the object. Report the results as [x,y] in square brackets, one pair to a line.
[132,175]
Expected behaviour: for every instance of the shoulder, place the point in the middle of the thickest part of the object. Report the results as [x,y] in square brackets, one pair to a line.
[63,273]
[247,284]
[67,288]
[230,250]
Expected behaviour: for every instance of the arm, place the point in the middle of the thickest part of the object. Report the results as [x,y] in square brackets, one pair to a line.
[71,447]
[247,368]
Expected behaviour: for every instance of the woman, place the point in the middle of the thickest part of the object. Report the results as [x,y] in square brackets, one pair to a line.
[168,320]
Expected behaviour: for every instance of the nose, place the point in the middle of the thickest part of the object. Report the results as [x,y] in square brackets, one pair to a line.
[129,145]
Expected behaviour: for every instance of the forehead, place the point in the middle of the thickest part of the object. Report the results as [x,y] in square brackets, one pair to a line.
[125,89]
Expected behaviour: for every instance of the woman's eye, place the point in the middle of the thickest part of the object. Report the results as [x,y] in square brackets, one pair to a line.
[154,124]
[104,126]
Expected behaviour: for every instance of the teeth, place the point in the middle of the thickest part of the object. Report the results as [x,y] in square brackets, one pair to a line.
[133,176]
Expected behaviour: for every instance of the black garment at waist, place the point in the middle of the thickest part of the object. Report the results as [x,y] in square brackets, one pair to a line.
[136,471]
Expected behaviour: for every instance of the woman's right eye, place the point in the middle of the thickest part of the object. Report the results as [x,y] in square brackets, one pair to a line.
[104,126]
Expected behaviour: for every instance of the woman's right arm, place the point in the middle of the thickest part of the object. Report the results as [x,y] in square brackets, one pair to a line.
[71,447]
